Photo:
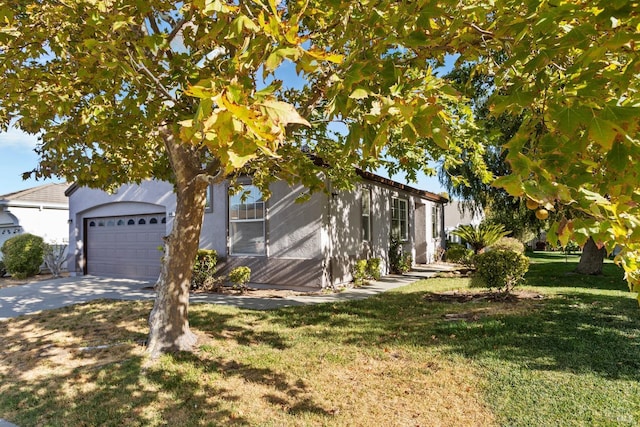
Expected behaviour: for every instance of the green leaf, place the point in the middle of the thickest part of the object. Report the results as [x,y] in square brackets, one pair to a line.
[277,56]
[603,132]
[570,119]
[511,183]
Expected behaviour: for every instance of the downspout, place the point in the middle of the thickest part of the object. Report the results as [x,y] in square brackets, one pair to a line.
[330,231]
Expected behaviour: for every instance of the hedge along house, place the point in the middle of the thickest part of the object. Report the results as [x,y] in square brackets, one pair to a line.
[304,246]
[42,211]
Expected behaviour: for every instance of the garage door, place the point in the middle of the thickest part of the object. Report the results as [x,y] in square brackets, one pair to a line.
[125,246]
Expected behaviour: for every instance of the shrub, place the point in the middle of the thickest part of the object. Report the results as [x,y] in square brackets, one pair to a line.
[54,256]
[508,244]
[481,236]
[23,255]
[364,270]
[373,268]
[501,269]
[359,272]
[3,269]
[458,254]
[399,262]
[204,268]
[240,276]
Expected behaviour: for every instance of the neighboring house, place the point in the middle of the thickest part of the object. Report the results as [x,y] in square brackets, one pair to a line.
[308,245]
[455,217]
[43,211]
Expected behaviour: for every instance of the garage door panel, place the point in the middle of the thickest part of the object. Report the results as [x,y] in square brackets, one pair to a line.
[125,246]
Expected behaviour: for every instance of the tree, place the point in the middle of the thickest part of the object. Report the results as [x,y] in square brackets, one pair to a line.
[120,91]
[592,259]
[482,235]
[469,177]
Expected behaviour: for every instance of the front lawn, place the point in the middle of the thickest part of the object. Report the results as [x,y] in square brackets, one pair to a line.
[397,359]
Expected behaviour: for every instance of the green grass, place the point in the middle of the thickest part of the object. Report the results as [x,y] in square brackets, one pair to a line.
[570,358]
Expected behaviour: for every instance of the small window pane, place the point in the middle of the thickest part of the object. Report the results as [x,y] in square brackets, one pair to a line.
[131,222]
[142,222]
[120,222]
[153,221]
[247,238]
[92,224]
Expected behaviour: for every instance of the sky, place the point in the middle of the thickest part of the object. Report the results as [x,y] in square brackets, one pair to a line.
[17,156]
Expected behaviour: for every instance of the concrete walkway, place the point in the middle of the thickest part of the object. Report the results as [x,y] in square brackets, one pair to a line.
[46,295]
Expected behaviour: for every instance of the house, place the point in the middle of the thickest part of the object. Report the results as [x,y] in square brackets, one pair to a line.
[455,216]
[42,210]
[306,246]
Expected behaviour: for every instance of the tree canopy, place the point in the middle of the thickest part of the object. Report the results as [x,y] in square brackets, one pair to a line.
[123,90]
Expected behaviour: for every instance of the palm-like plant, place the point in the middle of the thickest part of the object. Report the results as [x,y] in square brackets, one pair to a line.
[482,235]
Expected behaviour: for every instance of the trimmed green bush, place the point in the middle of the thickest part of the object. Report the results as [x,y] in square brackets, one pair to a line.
[373,268]
[508,244]
[501,270]
[23,255]
[458,254]
[204,269]
[240,276]
[364,270]
[359,272]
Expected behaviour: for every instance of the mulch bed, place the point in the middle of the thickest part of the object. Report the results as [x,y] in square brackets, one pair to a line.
[470,296]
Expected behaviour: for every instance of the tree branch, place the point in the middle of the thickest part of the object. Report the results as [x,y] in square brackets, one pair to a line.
[156,82]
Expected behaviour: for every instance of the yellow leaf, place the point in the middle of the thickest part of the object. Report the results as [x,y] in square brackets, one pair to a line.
[359,94]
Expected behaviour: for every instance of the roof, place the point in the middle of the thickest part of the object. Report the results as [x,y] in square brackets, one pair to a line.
[422,193]
[48,194]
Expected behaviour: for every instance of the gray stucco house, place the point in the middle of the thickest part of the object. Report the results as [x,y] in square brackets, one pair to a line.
[306,246]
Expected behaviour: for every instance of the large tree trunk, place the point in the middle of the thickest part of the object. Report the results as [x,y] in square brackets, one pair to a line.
[168,322]
[592,259]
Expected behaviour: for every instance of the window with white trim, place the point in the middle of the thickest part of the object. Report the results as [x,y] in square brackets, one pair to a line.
[400,218]
[366,214]
[246,222]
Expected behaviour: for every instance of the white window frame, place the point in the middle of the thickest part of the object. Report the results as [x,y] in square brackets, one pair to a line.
[365,203]
[259,216]
[398,218]
[208,208]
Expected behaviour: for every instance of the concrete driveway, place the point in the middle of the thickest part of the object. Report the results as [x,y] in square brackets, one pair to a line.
[50,294]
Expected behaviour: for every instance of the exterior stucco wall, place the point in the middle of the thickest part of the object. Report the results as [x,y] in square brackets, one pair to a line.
[345,229]
[294,257]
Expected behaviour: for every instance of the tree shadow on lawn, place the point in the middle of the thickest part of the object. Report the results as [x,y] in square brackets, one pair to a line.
[561,275]
[85,365]
[575,332]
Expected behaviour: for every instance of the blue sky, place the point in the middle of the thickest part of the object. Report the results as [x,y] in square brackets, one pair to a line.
[17,156]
